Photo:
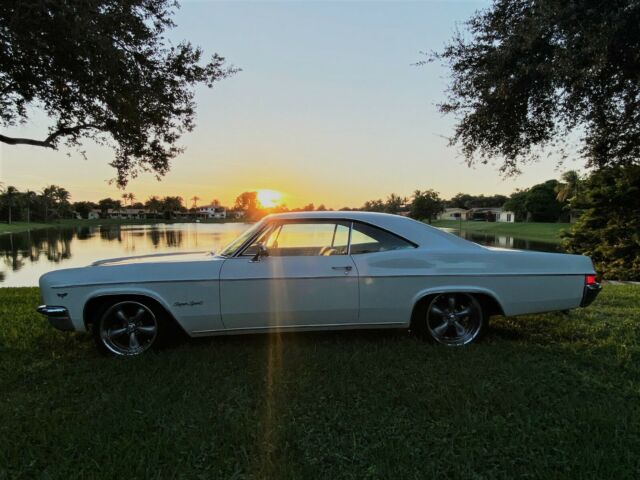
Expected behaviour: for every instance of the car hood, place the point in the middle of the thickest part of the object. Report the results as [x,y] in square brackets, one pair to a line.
[191,266]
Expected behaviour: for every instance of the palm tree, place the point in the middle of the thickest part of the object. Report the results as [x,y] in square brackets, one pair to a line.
[9,197]
[29,197]
[194,201]
[568,190]
[154,204]
[129,196]
[62,197]
[48,194]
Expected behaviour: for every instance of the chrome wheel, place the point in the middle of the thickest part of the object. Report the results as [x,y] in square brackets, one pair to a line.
[454,318]
[128,328]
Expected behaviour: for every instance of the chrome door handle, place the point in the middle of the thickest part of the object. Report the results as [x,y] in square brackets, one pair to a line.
[346,269]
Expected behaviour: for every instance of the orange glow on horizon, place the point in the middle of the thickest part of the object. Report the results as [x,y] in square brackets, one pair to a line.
[269,198]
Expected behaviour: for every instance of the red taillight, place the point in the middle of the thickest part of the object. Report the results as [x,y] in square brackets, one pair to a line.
[590,280]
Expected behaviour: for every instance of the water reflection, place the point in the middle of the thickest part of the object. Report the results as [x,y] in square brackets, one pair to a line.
[26,256]
[506,241]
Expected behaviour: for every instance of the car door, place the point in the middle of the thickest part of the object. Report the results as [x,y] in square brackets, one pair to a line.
[307,280]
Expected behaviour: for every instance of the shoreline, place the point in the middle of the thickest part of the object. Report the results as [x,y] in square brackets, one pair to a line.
[21,227]
[534,231]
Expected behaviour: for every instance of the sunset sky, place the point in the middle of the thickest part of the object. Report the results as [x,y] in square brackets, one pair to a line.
[328,109]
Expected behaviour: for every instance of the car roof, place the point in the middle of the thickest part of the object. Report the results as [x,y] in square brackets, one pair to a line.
[417,232]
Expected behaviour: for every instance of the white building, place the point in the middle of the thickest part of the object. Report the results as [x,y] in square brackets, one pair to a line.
[506,216]
[212,211]
[454,214]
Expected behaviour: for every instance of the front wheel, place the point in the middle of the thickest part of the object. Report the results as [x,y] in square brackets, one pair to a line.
[126,328]
[452,319]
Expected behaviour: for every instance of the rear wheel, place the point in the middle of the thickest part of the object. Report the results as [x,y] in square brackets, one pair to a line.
[127,328]
[452,319]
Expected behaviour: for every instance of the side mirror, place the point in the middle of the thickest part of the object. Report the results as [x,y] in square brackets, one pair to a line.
[262,252]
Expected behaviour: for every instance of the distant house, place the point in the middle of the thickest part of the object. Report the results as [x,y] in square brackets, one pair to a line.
[127,213]
[93,214]
[212,211]
[506,216]
[454,214]
[486,214]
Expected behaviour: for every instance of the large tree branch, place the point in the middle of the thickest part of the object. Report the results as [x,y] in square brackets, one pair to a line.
[48,142]
[24,141]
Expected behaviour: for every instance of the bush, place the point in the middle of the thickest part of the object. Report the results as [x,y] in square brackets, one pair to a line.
[609,229]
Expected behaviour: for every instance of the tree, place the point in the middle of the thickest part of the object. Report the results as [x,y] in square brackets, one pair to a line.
[130,197]
[83,208]
[194,201]
[107,204]
[394,203]
[426,205]
[530,73]
[517,204]
[9,198]
[609,229]
[103,71]
[29,199]
[247,202]
[569,188]
[464,200]
[541,203]
[373,206]
[172,204]
[154,204]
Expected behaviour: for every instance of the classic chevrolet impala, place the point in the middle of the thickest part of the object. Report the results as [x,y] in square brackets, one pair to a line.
[315,271]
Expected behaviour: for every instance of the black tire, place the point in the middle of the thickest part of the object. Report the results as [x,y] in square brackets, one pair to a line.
[125,327]
[453,319]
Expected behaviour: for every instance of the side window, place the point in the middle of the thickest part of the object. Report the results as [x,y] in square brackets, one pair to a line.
[304,239]
[368,239]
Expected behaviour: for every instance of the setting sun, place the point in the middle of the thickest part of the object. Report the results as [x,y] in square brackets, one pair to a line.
[269,198]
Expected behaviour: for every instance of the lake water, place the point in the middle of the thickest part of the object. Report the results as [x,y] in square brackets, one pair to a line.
[26,256]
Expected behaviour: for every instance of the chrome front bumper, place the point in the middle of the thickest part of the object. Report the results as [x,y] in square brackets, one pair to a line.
[58,317]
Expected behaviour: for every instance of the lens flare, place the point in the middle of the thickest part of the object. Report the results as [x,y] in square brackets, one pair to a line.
[269,198]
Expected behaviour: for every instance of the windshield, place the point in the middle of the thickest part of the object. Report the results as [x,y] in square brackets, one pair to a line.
[237,243]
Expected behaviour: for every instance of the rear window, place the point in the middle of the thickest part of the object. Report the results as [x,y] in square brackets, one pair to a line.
[368,239]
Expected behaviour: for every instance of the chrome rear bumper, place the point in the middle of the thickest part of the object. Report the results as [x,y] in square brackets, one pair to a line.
[590,293]
[58,317]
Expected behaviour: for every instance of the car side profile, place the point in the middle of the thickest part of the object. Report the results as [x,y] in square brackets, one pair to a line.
[315,271]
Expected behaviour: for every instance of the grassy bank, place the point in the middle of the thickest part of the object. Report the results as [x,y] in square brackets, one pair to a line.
[545,232]
[18,227]
[543,396]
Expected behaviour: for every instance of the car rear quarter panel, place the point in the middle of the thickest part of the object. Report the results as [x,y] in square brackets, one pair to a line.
[521,282]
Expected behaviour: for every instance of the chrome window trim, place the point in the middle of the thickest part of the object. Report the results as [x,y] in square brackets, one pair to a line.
[351,222]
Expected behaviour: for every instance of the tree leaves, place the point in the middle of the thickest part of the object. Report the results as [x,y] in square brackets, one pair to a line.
[102,70]
[531,73]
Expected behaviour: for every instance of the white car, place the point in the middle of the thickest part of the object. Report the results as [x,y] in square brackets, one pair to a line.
[315,271]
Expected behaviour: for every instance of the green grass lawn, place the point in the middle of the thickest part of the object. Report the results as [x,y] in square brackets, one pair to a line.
[545,396]
[546,232]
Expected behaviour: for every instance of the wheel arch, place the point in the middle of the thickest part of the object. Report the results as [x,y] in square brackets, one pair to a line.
[99,299]
[488,299]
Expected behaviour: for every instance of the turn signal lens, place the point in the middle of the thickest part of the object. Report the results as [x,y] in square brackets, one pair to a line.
[590,280]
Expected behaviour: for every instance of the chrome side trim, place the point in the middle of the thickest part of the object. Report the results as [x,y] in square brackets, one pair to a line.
[333,326]
[449,275]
